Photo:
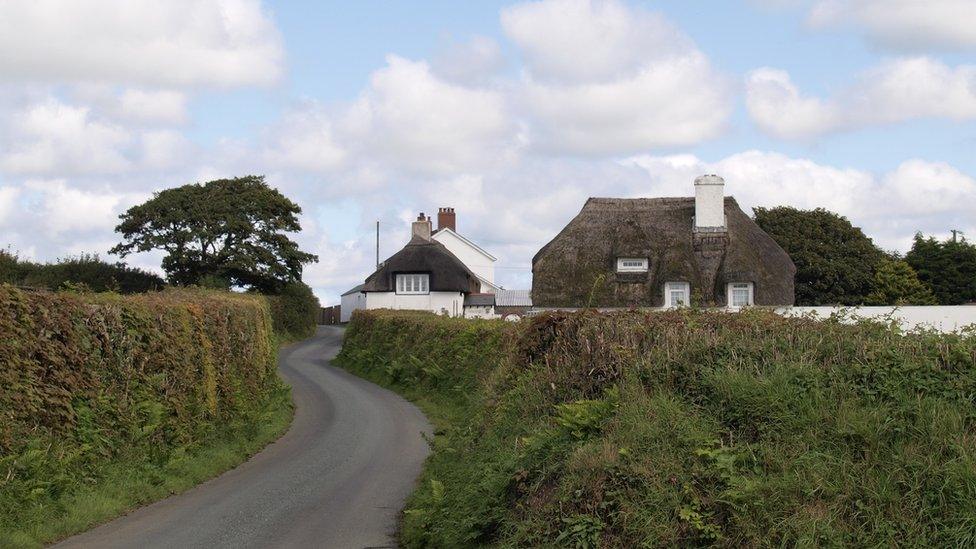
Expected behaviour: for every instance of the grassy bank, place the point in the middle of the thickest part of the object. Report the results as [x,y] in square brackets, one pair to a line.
[682,428]
[109,401]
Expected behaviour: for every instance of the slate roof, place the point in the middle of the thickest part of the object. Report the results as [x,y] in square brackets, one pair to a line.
[354,290]
[513,298]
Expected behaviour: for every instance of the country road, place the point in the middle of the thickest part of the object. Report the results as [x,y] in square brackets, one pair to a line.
[337,478]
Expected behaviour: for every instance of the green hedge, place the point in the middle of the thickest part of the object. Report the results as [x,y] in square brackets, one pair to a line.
[294,311]
[88,381]
[682,428]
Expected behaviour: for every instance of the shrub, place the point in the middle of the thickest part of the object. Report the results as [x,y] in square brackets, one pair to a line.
[88,381]
[294,311]
[86,270]
[682,428]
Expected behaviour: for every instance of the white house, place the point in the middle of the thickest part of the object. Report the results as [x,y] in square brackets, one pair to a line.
[424,276]
[479,261]
[352,300]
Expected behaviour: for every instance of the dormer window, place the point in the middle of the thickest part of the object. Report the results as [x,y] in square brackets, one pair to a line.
[632,264]
[412,284]
[740,294]
[677,294]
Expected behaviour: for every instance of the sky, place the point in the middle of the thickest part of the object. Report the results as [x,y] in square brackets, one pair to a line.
[513,113]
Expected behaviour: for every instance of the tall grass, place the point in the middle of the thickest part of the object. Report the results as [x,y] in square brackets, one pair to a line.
[683,428]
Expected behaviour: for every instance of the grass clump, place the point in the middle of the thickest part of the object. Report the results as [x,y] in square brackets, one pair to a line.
[110,401]
[682,428]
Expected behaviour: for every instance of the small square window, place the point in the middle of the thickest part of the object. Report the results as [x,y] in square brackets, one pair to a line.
[677,294]
[412,283]
[740,294]
[632,264]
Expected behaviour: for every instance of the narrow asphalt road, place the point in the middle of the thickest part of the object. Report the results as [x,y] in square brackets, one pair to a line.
[337,479]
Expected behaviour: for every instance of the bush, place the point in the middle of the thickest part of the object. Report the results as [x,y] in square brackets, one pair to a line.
[91,381]
[682,428]
[295,311]
[86,270]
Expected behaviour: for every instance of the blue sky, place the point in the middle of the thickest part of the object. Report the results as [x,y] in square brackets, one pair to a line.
[512,112]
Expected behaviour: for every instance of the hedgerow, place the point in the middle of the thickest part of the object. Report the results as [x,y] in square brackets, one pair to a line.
[682,428]
[294,311]
[91,381]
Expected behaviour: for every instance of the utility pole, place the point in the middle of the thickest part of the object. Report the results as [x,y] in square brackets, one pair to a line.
[377,244]
[954,233]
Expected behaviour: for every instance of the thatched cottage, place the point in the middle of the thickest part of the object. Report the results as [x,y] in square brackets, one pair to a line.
[438,271]
[663,252]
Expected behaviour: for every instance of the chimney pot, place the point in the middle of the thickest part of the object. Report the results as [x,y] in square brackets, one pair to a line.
[446,219]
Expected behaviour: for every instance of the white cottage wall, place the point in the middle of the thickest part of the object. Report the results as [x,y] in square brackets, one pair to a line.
[479,263]
[450,303]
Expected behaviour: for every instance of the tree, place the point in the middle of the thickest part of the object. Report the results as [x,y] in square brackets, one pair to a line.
[835,261]
[896,283]
[231,230]
[948,268]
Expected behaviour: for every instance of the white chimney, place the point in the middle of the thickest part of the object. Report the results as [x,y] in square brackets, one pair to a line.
[709,203]
[421,227]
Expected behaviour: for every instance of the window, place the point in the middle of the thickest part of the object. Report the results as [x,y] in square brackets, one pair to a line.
[677,294]
[740,294]
[412,283]
[632,264]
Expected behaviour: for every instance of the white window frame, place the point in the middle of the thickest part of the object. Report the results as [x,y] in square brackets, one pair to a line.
[677,286]
[632,264]
[413,284]
[733,286]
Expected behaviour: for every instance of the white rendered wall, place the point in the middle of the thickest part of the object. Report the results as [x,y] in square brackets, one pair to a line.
[351,302]
[709,201]
[479,311]
[451,303]
[478,262]
[944,318]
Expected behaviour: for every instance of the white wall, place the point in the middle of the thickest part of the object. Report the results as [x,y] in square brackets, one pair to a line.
[436,302]
[486,311]
[351,302]
[479,263]
[944,318]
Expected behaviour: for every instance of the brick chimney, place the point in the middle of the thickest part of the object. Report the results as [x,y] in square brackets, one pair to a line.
[421,227]
[446,219]
[710,203]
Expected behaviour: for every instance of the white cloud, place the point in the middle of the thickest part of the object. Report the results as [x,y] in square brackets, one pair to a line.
[589,40]
[895,91]
[305,140]
[163,106]
[172,43]
[162,149]
[52,137]
[668,103]
[413,119]
[474,62]
[603,78]
[64,208]
[902,25]
[8,204]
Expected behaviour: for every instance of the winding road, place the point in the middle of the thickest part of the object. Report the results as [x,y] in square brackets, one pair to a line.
[337,478]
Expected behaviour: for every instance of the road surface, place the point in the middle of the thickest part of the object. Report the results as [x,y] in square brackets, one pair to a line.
[337,478]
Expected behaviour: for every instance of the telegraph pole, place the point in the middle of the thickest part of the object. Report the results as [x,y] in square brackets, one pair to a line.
[954,233]
[377,244]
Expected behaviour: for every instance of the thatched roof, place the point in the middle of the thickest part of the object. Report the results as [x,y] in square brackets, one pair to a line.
[580,261]
[447,272]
